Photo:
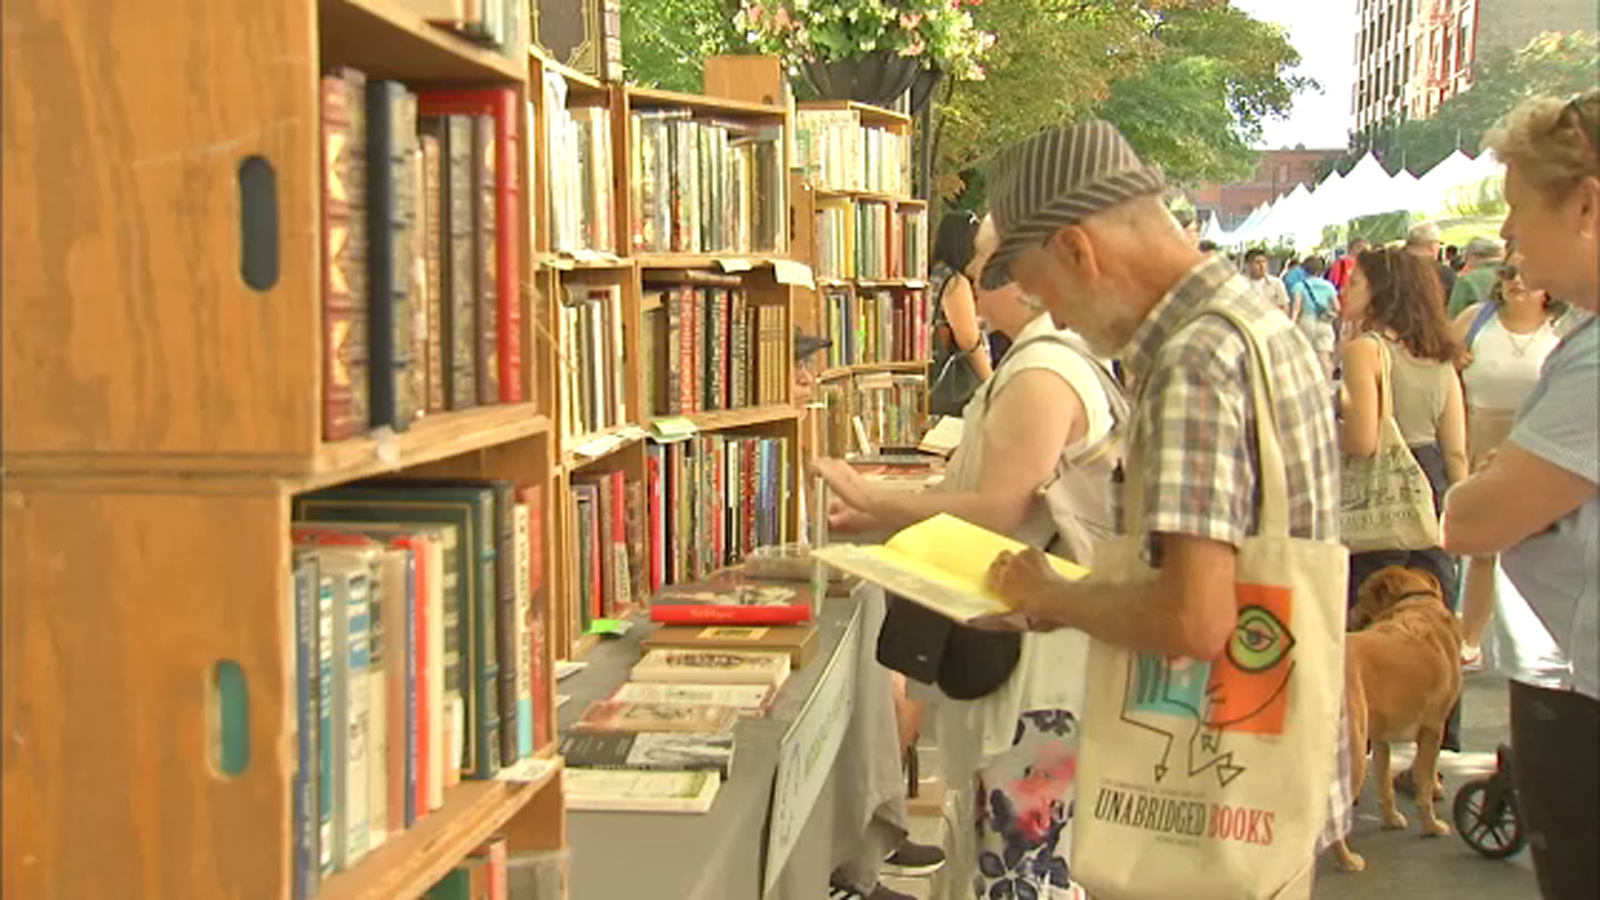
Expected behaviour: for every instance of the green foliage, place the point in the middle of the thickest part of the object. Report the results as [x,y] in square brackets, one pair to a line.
[1552,64]
[937,33]
[1188,81]
[665,43]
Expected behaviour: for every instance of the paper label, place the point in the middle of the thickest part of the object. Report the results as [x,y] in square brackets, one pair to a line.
[788,271]
[732,633]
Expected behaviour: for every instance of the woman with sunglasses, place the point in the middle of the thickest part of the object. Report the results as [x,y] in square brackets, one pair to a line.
[1507,339]
[1537,501]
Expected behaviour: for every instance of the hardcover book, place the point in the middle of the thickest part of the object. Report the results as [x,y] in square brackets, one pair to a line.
[344,259]
[799,641]
[634,791]
[617,715]
[748,699]
[728,598]
[683,751]
[713,667]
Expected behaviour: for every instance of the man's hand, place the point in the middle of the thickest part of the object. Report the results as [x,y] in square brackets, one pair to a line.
[1028,584]
[846,519]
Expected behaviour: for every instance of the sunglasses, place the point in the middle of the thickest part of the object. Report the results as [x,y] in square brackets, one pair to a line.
[1580,120]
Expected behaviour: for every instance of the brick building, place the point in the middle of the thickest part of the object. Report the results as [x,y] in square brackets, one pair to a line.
[1412,55]
[1276,174]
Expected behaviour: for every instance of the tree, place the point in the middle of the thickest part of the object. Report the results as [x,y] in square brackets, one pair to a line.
[1188,81]
[665,43]
[1198,106]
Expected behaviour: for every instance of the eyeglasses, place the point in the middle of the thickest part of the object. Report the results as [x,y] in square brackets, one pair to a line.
[1581,121]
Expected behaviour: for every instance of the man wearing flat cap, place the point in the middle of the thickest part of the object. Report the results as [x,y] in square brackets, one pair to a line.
[1083,229]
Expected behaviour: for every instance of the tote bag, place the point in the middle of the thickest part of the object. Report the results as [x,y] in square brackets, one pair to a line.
[1210,780]
[1386,502]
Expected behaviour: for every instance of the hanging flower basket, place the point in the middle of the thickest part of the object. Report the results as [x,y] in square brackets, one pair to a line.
[878,78]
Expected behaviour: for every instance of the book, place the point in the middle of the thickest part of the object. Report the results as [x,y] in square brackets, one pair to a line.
[944,437]
[748,699]
[616,715]
[303,815]
[799,641]
[391,135]
[344,256]
[942,563]
[634,791]
[682,751]
[713,667]
[494,876]
[727,598]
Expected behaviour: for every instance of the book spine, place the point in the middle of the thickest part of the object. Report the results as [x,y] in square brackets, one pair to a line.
[388,264]
[524,624]
[621,569]
[380,710]
[421,289]
[403,706]
[508,205]
[460,330]
[485,261]
[434,255]
[485,709]
[420,683]
[540,677]
[671,301]
[358,719]
[323,779]
[507,616]
[305,813]
[698,614]
[340,297]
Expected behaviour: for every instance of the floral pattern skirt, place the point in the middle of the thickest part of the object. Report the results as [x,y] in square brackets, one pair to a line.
[1024,807]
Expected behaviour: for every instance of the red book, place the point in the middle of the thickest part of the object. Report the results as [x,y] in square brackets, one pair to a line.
[727,599]
[501,103]
[533,496]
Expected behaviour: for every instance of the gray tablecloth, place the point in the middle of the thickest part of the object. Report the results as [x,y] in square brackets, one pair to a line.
[718,855]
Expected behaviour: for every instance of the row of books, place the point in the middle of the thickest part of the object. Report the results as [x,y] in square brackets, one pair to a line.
[876,326]
[419,654]
[664,741]
[711,347]
[582,196]
[592,364]
[482,875]
[608,515]
[421,283]
[710,500]
[836,152]
[880,410]
[868,240]
[703,185]
[501,25]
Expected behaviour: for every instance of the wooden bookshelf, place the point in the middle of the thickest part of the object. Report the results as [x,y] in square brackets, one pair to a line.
[162,416]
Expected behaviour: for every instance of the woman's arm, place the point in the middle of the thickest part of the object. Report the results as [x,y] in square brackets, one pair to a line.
[1358,433]
[1452,430]
[1025,430]
[961,311]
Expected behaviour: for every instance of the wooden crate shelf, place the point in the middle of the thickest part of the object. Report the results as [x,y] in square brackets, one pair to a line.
[410,862]
[386,40]
[428,439]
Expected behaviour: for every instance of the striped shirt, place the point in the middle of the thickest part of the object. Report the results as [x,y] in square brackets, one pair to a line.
[1194,428]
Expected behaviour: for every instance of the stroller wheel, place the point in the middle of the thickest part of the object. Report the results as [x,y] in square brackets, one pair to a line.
[1491,829]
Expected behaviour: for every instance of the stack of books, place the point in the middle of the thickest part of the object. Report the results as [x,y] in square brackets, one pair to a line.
[580,173]
[418,660]
[593,369]
[911,260]
[706,185]
[664,741]
[837,153]
[607,513]
[421,298]
[707,348]
[876,326]
[711,499]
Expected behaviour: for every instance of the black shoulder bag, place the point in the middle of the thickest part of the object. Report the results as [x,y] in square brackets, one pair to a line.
[955,377]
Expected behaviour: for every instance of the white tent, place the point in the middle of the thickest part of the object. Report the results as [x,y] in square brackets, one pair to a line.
[1368,190]
[1213,230]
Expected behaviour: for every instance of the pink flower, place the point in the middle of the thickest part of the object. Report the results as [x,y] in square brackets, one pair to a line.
[782,20]
[909,21]
[915,49]
[1034,824]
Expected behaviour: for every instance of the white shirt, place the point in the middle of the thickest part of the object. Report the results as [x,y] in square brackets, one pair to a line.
[1271,289]
[1505,366]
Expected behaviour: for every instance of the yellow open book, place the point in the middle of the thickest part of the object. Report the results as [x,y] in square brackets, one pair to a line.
[941,563]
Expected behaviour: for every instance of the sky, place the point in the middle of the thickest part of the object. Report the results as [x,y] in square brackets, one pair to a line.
[1324,33]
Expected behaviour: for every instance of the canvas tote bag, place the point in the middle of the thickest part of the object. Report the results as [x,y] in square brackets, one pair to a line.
[1386,502]
[1209,780]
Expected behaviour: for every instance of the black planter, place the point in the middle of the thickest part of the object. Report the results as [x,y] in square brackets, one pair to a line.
[877,78]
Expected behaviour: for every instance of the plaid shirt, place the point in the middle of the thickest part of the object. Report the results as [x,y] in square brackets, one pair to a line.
[1195,422]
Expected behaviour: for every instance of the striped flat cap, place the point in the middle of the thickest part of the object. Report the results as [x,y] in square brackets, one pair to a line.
[1057,178]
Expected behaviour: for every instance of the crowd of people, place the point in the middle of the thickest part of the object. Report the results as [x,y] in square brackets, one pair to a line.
[1162,413]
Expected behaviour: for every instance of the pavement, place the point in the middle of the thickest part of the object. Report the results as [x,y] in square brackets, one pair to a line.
[1400,864]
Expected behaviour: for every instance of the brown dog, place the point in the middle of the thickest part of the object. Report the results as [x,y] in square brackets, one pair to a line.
[1402,674]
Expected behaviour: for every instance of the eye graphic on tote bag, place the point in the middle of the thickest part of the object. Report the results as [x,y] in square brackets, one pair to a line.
[1245,691]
